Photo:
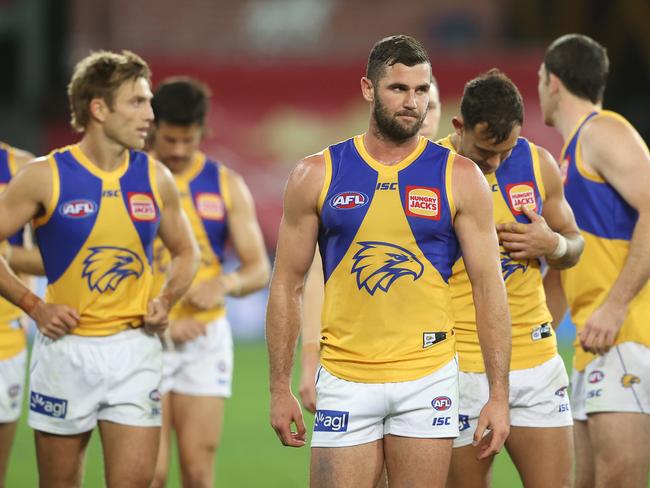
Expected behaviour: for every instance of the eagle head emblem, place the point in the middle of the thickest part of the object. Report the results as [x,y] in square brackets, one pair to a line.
[106,266]
[378,264]
[509,265]
[629,379]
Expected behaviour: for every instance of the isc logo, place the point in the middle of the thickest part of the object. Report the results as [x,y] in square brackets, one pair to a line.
[441,421]
[46,405]
[386,186]
[441,403]
[348,199]
[595,393]
[564,407]
[78,209]
[331,421]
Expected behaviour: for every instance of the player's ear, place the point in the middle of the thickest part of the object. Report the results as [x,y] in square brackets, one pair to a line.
[367,90]
[98,109]
[554,83]
[457,122]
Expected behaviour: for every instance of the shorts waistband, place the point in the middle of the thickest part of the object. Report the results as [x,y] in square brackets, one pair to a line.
[125,335]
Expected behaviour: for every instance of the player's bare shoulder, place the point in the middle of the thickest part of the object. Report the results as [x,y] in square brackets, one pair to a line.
[468,183]
[33,178]
[308,177]
[21,157]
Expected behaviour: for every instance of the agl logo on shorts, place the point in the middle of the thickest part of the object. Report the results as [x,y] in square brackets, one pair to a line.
[422,201]
[521,195]
[47,405]
[331,421]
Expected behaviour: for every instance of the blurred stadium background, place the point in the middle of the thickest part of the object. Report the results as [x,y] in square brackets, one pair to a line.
[285,81]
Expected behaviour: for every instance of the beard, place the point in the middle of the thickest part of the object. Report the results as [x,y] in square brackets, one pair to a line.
[391,127]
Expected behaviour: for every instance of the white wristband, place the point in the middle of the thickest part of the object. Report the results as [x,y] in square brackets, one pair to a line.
[561,248]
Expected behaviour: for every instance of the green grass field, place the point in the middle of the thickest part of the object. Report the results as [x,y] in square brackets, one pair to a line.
[251,455]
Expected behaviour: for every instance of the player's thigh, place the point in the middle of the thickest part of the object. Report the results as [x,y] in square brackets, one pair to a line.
[620,443]
[60,459]
[198,422]
[360,466]
[553,467]
[130,454]
[413,462]
[466,471]
[584,468]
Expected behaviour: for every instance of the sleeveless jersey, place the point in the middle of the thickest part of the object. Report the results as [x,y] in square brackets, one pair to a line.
[387,243]
[206,200]
[516,182]
[96,239]
[12,336]
[606,222]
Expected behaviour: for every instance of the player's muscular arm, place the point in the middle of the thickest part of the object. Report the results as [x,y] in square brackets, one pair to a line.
[553,235]
[246,237]
[177,236]
[26,197]
[26,258]
[314,297]
[616,152]
[474,225]
[295,251]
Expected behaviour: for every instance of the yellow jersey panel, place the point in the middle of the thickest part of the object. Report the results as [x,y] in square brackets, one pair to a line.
[607,223]
[515,183]
[97,241]
[387,243]
[205,198]
[12,336]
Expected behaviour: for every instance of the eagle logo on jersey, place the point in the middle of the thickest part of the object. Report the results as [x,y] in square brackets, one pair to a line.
[379,264]
[106,267]
[509,265]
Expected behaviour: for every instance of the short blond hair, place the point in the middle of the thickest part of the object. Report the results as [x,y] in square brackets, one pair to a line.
[99,75]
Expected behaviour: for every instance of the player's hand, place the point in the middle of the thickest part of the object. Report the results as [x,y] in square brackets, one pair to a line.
[54,320]
[157,317]
[207,295]
[285,412]
[184,330]
[494,417]
[601,329]
[310,364]
[527,241]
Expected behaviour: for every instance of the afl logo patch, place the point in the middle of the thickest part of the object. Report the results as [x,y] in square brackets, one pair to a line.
[142,207]
[521,195]
[441,403]
[422,201]
[78,209]
[596,376]
[348,199]
[210,206]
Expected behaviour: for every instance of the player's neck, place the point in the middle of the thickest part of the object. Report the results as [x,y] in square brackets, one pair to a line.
[107,155]
[570,112]
[388,151]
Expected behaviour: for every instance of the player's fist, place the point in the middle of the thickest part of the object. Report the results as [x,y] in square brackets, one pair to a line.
[157,318]
[54,320]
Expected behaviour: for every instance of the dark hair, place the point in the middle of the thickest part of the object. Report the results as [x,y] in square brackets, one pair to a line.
[100,75]
[181,101]
[392,50]
[493,98]
[581,64]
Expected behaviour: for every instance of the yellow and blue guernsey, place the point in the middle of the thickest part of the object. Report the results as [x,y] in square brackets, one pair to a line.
[516,183]
[387,243]
[606,222]
[12,336]
[96,239]
[205,198]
